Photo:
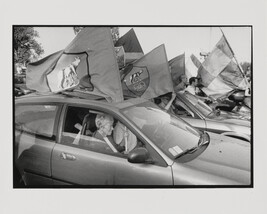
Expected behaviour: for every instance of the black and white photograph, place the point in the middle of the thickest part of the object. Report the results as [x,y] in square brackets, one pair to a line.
[137,107]
[119,108]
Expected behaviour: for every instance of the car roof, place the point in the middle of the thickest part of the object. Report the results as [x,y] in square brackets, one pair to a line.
[76,98]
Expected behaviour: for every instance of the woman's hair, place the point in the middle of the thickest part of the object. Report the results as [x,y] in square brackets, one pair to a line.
[103,119]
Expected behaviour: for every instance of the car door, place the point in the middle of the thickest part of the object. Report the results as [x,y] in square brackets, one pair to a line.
[83,160]
[84,167]
[34,140]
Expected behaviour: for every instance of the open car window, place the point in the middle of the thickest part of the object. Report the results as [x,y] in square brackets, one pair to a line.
[198,103]
[80,130]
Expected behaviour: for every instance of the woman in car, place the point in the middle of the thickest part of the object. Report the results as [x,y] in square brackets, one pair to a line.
[104,124]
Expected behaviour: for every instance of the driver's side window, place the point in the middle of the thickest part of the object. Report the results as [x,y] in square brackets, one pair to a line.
[97,131]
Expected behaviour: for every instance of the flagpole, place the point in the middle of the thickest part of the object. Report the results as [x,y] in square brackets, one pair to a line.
[235,57]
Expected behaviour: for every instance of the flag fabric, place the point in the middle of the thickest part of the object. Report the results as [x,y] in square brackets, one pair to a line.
[149,76]
[177,67]
[129,42]
[36,72]
[120,55]
[90,58]
[195,60]
[219,73]
[131,46]
[191,66]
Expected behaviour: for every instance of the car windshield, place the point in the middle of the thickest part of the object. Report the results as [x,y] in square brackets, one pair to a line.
[199,104]
[170,133]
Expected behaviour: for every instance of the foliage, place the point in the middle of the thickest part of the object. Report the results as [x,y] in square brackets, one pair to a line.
[26,48]
[114,32]
[245,66]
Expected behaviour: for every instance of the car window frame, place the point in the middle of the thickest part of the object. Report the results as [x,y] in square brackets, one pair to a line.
[56,121]
[160,161]
[191,107]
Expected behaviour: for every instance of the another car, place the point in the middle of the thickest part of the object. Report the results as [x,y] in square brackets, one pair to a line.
[52,147]
[198,114]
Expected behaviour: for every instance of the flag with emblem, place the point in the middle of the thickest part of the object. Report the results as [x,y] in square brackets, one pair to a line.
[177,67]
[220,72]
[149,76]
[87,63]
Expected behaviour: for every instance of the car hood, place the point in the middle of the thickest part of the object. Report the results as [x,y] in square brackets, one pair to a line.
[226,161]
[227,117]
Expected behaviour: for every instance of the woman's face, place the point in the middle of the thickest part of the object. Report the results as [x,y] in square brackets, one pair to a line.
[107,128]
[184,79]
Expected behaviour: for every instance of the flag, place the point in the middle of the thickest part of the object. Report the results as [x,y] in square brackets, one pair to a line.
[129,42]
[120,55]
[149,76]
[191,67]
[131,46]
[90,58]
[195,60]
[219,72]
[177,67]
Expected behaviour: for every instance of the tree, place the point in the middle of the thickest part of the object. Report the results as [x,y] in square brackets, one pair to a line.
[26,48]
[114,32]
[245,66]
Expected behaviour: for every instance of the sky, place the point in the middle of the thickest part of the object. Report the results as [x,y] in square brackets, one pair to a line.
[177,40]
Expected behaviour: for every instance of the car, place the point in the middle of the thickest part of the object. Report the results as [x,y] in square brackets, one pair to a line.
[53,148]
[198,114]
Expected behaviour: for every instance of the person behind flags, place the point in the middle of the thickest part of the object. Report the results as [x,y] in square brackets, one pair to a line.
[165,102]
[104,124]
[182,83]
[193,89]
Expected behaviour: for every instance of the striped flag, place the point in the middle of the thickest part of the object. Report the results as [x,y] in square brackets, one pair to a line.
[88,62]
[219,72]
[149,76]
[191,66]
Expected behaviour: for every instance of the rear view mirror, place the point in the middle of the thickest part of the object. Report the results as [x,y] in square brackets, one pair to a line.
[138,155]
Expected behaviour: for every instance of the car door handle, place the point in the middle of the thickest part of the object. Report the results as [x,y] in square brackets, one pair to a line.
[67,156]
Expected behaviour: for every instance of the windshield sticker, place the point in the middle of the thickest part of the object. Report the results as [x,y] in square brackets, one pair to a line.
[175,150]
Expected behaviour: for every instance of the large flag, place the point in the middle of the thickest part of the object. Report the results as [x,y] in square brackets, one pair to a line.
[177,67]
[129,42]
[191,66]
[131,46]
[219,72]
[149,76]
[89,61]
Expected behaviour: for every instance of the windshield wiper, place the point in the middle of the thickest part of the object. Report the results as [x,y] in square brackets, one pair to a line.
[205,139]
[187,151]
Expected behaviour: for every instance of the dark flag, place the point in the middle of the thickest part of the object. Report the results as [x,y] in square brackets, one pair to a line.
[131,46]
[129,42]
[177,67]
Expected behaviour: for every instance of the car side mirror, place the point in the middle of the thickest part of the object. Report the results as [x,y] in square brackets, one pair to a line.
[218,112]
[138,155]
